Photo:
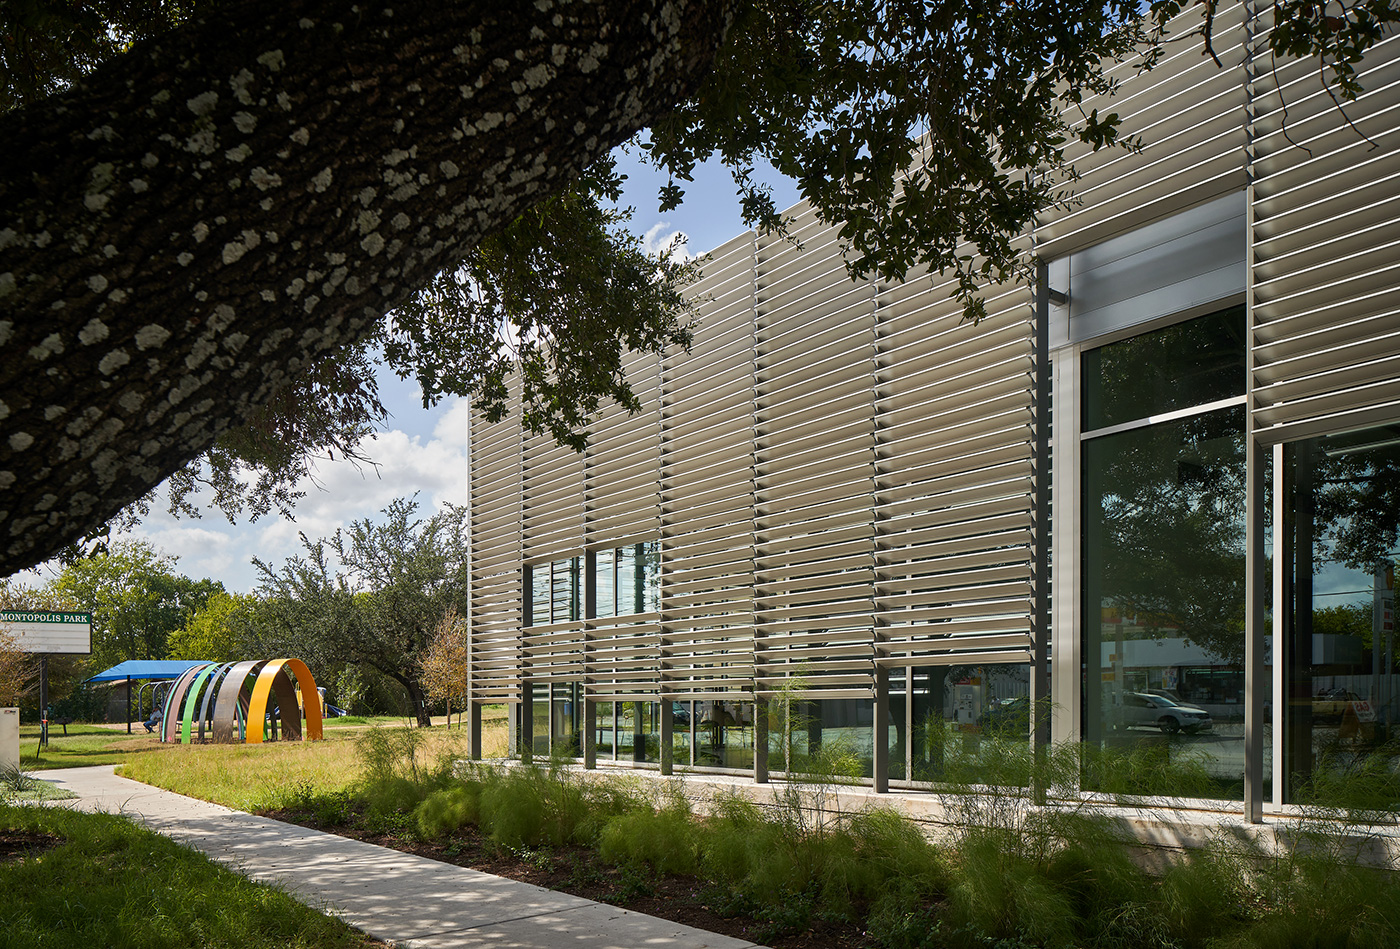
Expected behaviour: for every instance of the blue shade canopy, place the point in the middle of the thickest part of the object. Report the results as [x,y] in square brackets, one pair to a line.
[146,669]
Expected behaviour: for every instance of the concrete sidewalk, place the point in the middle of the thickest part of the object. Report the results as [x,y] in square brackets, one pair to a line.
[400,898]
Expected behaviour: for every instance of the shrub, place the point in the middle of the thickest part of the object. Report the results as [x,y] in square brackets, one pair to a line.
[448,810]
[663,840]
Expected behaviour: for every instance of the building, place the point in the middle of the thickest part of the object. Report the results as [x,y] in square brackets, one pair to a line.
[841,499]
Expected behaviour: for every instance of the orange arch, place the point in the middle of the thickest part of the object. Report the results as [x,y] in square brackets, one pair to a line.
[257,708]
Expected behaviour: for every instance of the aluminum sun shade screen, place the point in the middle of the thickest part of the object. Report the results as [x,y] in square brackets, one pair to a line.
[953,477]
[551,478]
[621,506]
[495,613]
[1189,116]
[707,490]
[1326,315]
[814,454]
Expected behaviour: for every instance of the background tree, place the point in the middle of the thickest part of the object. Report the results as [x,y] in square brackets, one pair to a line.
[446,662]
[136,598]
[216,632]
[372,594]
[18,677]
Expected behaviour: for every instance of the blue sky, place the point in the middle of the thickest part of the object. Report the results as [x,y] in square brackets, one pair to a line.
[422,450]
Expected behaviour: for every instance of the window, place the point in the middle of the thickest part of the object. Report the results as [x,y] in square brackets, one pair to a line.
[555,592]
[628,579]
[1163,478]
[1341,542]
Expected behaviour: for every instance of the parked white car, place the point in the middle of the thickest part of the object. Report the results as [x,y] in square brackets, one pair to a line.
[1141,709]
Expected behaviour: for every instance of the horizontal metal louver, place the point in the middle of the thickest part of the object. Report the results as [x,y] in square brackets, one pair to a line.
[814,455]
[1187,112]
[953,477]
[620,500]
[1325,331]
[494,601]
[705,637]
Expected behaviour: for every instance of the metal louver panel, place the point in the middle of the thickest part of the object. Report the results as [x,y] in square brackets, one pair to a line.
[705,636]
[814,452]
[1325,328]
[1188,114]
[494,601]
[953,479]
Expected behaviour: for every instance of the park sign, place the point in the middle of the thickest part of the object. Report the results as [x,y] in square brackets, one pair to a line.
[48,632]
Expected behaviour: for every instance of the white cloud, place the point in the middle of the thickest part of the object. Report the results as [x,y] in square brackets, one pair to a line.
[663,238]
[338,493]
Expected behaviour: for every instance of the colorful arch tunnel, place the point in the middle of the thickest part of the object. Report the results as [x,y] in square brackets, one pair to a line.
[227,703]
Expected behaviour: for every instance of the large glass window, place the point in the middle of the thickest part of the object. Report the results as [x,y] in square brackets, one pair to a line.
[628,579]
[724,734]
[556,592]
[825,737]
[960,723]
[605,583]
[1342,544]
[1164,561]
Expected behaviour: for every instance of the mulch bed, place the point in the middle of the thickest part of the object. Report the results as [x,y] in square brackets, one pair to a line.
[577,870]
[17,846]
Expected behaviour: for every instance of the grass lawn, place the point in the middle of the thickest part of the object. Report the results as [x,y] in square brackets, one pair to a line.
[83,745]
[272,775]
[73,879]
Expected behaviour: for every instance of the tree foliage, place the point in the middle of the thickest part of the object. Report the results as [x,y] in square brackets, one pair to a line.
[217,632]
[446,662]
[372,594]
[931,133]
[136,598]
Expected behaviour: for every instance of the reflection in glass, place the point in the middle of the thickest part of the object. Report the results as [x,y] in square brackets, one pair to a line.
[682,713]
[565,588]
[1343,542]
[1192,363]
[949,713]
[649,594]
[603,735]
[540,720]
[538,579]
[1164,607]
[605,597]
[566,713]
[639,731]
[823,737]
[627,581]
[724,734]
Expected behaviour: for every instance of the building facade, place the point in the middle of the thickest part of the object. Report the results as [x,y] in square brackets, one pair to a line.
[848,504]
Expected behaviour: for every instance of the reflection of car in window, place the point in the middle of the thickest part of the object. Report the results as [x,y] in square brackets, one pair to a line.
[1143,710]
[1331,704]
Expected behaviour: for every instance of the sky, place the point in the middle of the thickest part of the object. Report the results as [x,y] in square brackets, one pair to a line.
[421,450]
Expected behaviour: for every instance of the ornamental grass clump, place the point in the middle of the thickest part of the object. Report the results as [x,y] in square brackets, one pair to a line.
[662,839]
[531,806]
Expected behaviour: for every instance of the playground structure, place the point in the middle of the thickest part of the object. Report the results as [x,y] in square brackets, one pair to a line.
[227,703]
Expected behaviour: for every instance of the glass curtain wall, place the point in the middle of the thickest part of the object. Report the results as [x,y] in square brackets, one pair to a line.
[942,716]
[823,737]
[1163,462]
[1341,524]
[724,734]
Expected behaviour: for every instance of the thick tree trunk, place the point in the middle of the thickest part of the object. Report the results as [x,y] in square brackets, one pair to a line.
[419,703]
[180,234]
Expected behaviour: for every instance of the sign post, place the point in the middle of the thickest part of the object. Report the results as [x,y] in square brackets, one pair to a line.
[46,633]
